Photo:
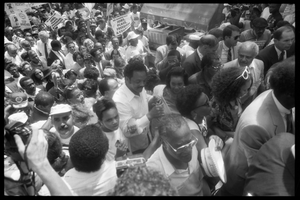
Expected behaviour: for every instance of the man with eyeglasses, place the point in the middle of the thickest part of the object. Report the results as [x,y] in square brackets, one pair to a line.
[246,57]
[228,47]
[258,34]
[177,157]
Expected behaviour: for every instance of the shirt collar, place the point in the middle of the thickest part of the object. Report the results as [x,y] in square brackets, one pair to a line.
[130,95]
[199,54]
[278,51]
[225,47]
[282,110]
[168,167]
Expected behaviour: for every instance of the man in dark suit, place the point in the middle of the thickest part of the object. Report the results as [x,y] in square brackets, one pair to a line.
[283,40]
[100,61]
[273,169]
[268,115]
[207,44]
[55,53]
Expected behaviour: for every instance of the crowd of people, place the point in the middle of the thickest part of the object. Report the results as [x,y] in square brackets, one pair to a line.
[79,98]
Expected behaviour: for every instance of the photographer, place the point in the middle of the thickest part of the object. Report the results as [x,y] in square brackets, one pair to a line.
[29,150]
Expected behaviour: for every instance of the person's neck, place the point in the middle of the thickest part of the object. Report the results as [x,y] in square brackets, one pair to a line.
[177,164]
[227,45]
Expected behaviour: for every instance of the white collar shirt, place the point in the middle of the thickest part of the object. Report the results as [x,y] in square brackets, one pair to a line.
[98,183]
[279,52]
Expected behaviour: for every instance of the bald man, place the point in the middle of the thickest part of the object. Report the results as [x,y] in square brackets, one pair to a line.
[12,54]
[41,108]
[207,44]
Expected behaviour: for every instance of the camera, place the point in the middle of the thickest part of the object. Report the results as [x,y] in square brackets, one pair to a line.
[23,130]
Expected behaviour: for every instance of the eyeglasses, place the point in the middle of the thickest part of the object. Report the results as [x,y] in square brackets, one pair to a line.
[236,37]
[245,74]
[206,104]
[217,67]
[183,147]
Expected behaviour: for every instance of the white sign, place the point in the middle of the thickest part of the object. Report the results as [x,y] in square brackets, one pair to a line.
[54,21]
[110,8]
[121,24]
[85,12]
[10,8]
[19,20]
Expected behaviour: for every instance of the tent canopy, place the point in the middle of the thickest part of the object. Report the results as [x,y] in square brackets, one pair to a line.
[197,16]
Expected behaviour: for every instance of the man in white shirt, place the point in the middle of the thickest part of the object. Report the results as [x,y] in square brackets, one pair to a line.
[69,62]
[42,43]
[93,174]
[30,88]
[132,103]
[11,54]
[133,45]
[177,157]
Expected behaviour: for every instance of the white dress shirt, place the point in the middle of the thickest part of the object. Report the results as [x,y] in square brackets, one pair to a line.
[98,183]
[69,62]
[41,48]
[130,106]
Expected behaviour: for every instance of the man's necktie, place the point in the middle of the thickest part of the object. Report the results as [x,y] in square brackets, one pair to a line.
[281,56]
[229,55]
[46,51]
[289,122]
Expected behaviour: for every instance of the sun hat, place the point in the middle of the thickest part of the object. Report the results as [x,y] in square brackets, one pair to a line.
[132,35]
[60,108]
[212,162]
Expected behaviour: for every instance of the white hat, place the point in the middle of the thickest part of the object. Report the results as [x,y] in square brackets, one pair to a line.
[226,4]
[109,72]
[212,162]
[132,35]
[126,6]
[60,108]
[18,117]
[194,37]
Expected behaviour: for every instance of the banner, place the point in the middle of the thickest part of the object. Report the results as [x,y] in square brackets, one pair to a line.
[54,21]
[110,8]
[10,8]
[19,20]
[121,24]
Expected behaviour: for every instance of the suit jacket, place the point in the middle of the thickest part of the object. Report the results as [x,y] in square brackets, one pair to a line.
[52,57]
[269,56]
[192,64]
[234,52]
[273,169]
[259,122]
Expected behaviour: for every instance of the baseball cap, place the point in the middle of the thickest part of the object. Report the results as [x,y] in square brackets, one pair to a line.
[60,108]
[18,117]
[19,100]
[132,35]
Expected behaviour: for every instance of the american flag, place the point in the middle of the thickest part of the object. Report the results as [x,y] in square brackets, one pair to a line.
[54,21]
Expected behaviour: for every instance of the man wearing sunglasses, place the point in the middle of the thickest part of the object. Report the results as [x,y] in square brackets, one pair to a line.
[228,47]
[246,57]
[177,157]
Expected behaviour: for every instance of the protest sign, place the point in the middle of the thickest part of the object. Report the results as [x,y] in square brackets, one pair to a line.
[110,8]
[85,13]
[54,21]
[19,20]
[121,24]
